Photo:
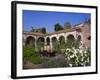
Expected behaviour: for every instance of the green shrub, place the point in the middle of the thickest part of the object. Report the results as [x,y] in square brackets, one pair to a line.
[60,46]
[56,46]
[36,60]
[29,54]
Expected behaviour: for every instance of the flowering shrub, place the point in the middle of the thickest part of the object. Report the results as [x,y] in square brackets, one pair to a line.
[78,57]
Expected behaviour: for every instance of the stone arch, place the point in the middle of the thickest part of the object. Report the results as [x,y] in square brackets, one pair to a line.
[70,41]
[48,40]
[40,40]
[54,40]
[61,39]
[62,42]
[40,43]
[70,37]
[54,43]
[30,41]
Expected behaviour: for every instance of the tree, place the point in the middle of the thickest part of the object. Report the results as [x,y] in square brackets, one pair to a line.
[40,30]
[43,30]
[58,27]
[67,25]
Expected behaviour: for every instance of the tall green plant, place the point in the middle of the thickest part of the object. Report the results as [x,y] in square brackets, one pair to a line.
[29,54]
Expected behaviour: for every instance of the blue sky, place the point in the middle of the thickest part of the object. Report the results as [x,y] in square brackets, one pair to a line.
[48,19]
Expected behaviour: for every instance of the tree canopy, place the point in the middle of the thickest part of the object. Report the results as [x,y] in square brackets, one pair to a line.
[58,27]
[40,30]
[67,25]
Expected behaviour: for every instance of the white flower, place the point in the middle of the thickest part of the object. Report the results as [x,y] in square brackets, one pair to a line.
[80,51]
[88,60]
[68,49]
[73,48]
[82,59]
[71,56]
[85,51]
[75,51]
[81,47]
[66,53]
[77,54]
[82,63]
[70,65]
[68,58]
[82,54]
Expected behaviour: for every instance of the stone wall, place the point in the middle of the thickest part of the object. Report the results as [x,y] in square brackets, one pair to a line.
[86,31]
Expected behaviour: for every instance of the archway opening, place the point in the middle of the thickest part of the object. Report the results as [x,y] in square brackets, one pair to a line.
[48,41]
[61,39]
[70,41]
[40,43]
[70,37]
[54,40]
[62,42]
[54,43]
[30,41]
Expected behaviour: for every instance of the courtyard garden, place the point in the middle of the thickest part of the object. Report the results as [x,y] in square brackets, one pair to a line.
[63,54]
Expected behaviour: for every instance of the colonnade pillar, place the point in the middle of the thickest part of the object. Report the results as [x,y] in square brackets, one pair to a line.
[36,44]
[51,43]
[45,41]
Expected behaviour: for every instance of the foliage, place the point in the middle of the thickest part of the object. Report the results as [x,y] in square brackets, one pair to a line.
[67,25]
[40,45]
[60,46]
[58,27]
[78,57]
[36,60]
[56,46]
[74,55]
[70,44]
[43,30]
[40,30]
[29,54]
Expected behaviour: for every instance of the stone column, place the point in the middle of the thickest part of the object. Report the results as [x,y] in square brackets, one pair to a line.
[45,41]
[51,43]
[23,42]
[36,43]
[65,38]
[57,38]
